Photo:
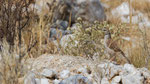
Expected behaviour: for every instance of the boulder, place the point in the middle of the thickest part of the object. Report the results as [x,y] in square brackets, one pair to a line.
[58,33]
[56,81]
[44,81]
[127,74]
[132,78]
[121,10]
[116,79]
[76,79]
[105,81]
[89,10]
[64,74]
[84,70]
[51,74]
[60,25]
[30,78]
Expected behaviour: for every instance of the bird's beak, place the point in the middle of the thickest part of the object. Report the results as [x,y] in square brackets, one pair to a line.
[97,29]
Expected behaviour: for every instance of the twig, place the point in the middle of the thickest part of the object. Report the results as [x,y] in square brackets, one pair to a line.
[28,50]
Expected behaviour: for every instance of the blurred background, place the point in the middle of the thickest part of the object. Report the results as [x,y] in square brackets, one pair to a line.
[31,28]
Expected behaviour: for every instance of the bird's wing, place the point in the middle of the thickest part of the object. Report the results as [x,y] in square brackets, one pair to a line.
[113,45]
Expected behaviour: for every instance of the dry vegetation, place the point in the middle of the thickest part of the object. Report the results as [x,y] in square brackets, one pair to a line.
[28,36]
[138,47]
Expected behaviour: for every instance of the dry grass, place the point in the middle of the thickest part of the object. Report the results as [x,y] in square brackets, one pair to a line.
[34,42]
[142,6]
[11,67]
[113,3]
[135,48]
[36,35]
[137,56]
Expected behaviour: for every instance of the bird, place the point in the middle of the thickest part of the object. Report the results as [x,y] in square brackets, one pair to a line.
[111,46]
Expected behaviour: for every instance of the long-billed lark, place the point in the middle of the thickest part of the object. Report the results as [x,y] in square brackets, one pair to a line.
[111,46]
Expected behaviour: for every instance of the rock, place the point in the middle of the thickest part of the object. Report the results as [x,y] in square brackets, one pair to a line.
[76,79]
[109,69]
[58,33]
[123,11]
[90,10]
[84,71]
[105,72]
[145,72]
[60,25]
[30,78]
[105,81]
[64,25]
[133,78]
[145,22]
[56,81]
[74,27]
[138,18]
[93,10]
[129,68]
[116,79]
[64,74]
[126,74]
[44,81]
[49,73]
[38,81]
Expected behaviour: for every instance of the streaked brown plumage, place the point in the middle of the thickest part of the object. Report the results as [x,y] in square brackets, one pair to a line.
[111,46]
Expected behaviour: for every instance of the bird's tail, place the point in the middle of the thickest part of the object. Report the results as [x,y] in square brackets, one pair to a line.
[125,57]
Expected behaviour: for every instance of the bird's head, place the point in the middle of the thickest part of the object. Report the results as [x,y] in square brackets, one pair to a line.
[105,30]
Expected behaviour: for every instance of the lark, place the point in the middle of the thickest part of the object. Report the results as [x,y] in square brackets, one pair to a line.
[111,46]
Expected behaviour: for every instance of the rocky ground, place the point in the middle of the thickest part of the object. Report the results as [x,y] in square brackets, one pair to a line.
[63,69]
[57,69]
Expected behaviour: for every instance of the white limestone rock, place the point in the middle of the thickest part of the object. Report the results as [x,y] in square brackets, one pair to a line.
[56,81]
[133,78]
[83,70]
[64,74]
[76,79]
[44,81]
[105,81]
[121,10]
[116,79]
[130,68]
[30,78]
[49,73]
